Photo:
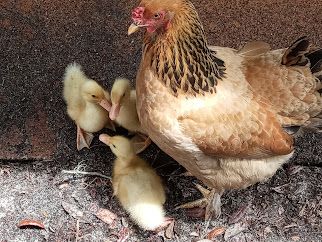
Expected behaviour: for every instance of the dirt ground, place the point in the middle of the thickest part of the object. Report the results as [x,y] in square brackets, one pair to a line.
[37,140]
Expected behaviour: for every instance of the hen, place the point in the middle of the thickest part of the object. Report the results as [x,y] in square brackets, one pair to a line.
[221,113]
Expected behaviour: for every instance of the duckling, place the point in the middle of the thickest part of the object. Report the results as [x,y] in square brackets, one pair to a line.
[87,104]
[136,185]
[123,112]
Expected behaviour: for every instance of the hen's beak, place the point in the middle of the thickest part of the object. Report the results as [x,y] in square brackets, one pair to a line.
[133,28]
[105,139]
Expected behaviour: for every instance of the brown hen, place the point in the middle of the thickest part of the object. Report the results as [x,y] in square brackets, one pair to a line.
[221,113]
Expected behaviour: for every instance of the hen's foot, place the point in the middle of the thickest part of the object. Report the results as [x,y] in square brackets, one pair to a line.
[210,201]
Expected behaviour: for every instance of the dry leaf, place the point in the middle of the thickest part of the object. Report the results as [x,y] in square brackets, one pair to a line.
[292,170]
[215,232]
[280,189]
[63,185]
[238,215]
[290,226]
[295,238]
[31,223]
[72,210]
[281,210]
[267,230]
[124,222]
[105,215]
[195,234]
[319,213]
[169,232]
[196,212]
[234,230]
[123,235]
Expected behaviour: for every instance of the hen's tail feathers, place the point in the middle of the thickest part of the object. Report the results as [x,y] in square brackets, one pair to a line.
[300,53]
[315,58]
[295,54]
[147,215]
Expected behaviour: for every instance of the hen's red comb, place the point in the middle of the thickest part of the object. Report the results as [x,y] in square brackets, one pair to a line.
[137,14]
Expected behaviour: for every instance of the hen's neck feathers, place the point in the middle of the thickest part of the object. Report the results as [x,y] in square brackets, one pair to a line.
[180,56]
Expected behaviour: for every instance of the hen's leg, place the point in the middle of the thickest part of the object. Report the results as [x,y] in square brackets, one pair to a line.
[210,201]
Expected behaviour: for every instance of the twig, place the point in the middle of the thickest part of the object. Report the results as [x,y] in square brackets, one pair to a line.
[166,164]
[77,231]
[88,173]
[155,157]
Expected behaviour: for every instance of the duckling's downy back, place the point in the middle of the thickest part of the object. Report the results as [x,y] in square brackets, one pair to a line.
[74,78]
[142,195]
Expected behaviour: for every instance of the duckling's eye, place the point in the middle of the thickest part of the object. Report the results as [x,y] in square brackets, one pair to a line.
[114,146]
[93,96]
[123,95]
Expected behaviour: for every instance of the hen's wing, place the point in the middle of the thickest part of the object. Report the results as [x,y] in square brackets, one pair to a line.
[246,122]
[253,132]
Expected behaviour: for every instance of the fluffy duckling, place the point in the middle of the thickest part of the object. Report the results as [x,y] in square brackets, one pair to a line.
[87,104]
[123,112]
[136,185]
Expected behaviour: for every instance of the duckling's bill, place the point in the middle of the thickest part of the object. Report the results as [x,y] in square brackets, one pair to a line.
[104,103]
[106,139]
[115,110]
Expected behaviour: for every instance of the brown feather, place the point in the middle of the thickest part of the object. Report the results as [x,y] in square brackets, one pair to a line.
[294,55]
[254,48]
[256,134]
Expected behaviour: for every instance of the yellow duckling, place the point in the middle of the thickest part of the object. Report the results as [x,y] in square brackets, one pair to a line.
[136,185]
[87,104]
[123,112]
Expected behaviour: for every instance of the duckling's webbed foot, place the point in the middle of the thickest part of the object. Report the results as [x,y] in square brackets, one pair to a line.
[140,142]
[84,139]
[166,223]
[210,201]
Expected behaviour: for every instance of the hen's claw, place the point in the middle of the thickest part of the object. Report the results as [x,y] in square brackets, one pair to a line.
[210,201]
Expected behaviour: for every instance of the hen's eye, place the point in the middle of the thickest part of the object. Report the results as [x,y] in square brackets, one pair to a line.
[93,96]
[156,15]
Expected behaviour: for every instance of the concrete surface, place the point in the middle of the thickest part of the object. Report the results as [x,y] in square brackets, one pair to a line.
[39,38]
